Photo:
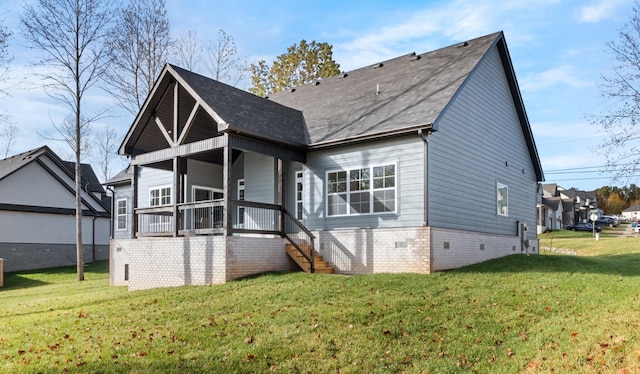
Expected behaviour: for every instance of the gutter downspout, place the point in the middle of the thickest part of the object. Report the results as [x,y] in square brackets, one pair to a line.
[424,135]
[93,239]
[113,205]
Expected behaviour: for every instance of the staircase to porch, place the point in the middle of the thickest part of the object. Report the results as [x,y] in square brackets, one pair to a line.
[319,265]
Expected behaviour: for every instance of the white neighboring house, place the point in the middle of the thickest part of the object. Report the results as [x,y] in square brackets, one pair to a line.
[632,213]
[37,212]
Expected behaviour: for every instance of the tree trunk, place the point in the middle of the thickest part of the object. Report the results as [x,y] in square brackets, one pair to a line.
[79,248]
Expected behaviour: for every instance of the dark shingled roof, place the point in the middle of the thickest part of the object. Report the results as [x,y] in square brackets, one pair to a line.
[124,176]
[89,179]
[398,96]
[248,113]
[395,95]
[13,163]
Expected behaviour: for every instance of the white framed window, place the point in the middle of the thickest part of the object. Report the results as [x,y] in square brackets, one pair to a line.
[299,204]
[359,191]
[160,196]
[502,199]
[201,193]
[121,214]
[241,198]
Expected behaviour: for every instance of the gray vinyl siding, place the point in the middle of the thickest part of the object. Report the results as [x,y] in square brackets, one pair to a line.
[480,142]
[149,178]
[122,192]
[23,227]
[259,178]
[88,197]
[33,185]
[203,174]
[406,152]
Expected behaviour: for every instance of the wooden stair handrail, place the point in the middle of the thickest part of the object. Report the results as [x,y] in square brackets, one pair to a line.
[310,256]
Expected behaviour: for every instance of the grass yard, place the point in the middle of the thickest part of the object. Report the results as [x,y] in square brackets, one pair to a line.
[547,313]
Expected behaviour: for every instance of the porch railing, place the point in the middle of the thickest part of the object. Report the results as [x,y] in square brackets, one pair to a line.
[155,221]
[202,217]
[207,217]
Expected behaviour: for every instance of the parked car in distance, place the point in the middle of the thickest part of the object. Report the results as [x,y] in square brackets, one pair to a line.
[580,226]
[609,221]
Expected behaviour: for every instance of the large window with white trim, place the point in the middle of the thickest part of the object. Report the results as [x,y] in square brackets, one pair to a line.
[502,199]
[121,214]
[362,190]
[160,196]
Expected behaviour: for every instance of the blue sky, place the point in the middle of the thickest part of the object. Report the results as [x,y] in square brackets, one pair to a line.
[558,49]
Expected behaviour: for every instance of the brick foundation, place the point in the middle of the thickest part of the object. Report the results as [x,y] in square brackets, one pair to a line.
[365,251]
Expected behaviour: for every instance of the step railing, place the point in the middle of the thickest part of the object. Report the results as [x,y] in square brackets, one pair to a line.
[300,237]
[261,218]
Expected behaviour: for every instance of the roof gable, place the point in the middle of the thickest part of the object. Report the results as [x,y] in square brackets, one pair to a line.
[61,171]
[227,109]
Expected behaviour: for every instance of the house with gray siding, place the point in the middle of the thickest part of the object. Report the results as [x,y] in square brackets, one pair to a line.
[421,163]
[37,212]
[561,207]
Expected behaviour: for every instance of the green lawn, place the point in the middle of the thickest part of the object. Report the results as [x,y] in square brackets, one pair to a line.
[547,313]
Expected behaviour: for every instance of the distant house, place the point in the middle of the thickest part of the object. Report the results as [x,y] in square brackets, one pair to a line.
[37,212]
[417,164]
[561,207]
[632,213]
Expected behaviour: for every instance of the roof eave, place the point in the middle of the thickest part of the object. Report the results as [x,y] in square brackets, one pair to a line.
[369,137]
[519,104]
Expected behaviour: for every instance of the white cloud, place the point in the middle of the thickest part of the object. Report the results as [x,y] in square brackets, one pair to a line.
[560,75]
[600,10]
[417,31]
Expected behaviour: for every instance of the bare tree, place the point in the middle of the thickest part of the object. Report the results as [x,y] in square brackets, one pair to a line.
[188,50]
[139,45]
[8,134]
[620,89]
[8,130]
[222,61]
[71,35]
[106,143]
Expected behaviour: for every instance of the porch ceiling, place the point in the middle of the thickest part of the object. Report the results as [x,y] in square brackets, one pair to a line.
[160,125]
